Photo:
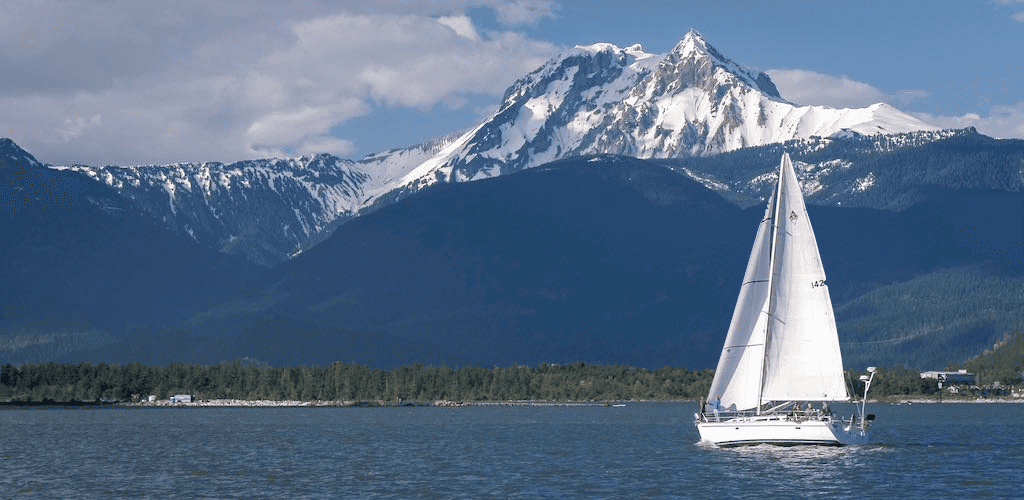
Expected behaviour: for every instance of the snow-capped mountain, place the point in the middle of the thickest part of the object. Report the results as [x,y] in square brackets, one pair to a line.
[602,99]
[12,155]
[267,210]
[263,209]
[853,170]
[596,99]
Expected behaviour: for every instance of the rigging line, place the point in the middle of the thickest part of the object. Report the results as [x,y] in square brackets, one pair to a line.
[774,317]
[742,345]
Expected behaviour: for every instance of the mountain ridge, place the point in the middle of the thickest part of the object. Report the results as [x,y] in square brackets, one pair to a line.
[596,99]
[598,259]
[602,99]
[78,258]
[600,215]
[267,209]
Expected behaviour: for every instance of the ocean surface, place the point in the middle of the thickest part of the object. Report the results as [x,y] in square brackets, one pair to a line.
[642,450]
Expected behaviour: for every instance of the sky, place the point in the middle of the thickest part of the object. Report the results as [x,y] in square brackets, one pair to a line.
[126,82]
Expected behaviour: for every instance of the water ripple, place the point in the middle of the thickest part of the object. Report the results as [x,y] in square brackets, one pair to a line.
[641,451]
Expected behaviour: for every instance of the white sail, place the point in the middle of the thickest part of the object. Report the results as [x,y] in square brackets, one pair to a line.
[737,381]
[782,349]
[802,360]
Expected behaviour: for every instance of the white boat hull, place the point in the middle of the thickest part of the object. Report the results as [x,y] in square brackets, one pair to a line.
[780,431]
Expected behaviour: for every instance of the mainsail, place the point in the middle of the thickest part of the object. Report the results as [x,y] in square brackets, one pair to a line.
[782,343]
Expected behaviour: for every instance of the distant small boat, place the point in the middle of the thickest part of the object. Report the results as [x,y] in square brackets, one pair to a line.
[780,366]
[617,406]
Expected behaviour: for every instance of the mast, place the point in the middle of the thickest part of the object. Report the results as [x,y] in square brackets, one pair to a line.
[771,285]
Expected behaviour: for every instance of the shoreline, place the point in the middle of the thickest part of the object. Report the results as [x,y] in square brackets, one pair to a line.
[956,401]
[267,403]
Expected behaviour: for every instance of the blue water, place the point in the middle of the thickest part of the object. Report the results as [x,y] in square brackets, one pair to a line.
[643,450]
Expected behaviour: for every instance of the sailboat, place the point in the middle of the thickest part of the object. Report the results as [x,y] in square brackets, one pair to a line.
[781,365]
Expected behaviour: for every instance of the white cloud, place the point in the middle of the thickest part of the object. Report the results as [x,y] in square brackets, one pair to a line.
[324,144]
[1002,122]
[816,89]
[73,127]
[1019,16]
[127,82]
[810,88]
[517,12]
[461,25]
[904,97]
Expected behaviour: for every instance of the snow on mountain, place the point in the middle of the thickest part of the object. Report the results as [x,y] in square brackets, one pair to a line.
[266,210]
[11,154]
[263,209]
[890,172]
[595,99]
[390,168]
[601,99]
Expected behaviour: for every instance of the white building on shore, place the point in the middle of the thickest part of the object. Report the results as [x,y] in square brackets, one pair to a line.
[957,377]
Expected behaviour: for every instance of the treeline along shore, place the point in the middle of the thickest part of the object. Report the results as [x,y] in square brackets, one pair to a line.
[341,382]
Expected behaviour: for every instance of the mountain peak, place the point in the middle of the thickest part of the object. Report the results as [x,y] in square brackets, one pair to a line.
[7,146]
[603,99]
[11,153]
[694,44]
[699,60]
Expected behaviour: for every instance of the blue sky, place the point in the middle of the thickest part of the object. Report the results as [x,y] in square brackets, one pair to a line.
[128,82]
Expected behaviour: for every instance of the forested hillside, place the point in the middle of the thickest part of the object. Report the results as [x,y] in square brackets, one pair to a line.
[946,315]
[1003,363]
